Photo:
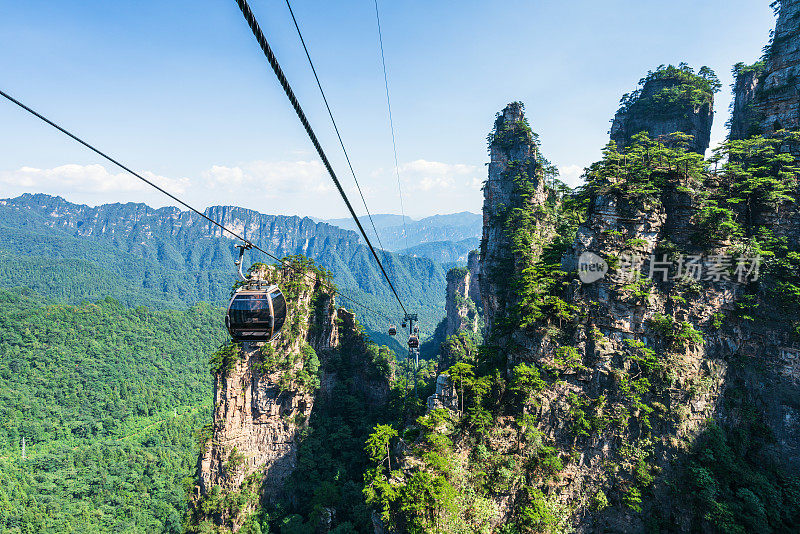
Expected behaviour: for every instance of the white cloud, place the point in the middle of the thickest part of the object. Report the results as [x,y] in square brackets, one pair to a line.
[269,179]
[436,167]
[571,175]
[86,179]
[441,182]
[290,187]
[219,175]
[424,175]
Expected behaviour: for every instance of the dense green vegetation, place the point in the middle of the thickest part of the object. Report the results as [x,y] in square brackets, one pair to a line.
[739,69]
[736,484]
[645,169]
[107,399]
[757,177]
[84,269]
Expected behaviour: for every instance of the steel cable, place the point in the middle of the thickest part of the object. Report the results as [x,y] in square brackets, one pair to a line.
[184,204]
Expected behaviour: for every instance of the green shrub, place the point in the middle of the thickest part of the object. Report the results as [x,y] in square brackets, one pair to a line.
[676,336]
[224,359]
[599,501]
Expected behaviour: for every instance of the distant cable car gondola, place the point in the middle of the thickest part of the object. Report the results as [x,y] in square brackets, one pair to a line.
[257,309]
[392,331]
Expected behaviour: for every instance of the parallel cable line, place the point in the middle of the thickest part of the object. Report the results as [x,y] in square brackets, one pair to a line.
[262,41]
[335,127]
[391,123]
[182,203]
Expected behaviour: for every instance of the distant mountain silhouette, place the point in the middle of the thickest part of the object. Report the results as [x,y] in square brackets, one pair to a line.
[453,227]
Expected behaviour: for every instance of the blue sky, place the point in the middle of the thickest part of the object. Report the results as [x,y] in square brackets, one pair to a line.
[179,90]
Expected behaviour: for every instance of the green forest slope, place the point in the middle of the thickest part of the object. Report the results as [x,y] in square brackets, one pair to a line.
[107,398]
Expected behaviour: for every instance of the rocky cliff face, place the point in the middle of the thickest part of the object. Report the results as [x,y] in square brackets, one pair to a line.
[743,120]
[474,269]
[647,359]
[767,95]
[658,395]
[463,293]
[269,398]
[621,318]
[263,397]
[514,151]
[653,109]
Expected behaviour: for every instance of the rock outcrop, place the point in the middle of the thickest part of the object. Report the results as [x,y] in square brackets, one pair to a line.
[474,268]
[617,322]
[463,296]
[267,396]
[264,395]
[767,95]
[743,121]
[445,395]
[514,151]
[653,110]
[731,357]
[661,396]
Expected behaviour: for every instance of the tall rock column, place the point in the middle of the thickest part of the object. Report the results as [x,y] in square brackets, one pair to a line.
[263,397]
[767,97]
[460,304]
[515,159]
[474,268]
[743,123]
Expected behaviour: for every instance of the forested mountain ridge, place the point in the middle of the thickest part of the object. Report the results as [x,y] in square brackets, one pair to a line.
[445,252]
[177,256]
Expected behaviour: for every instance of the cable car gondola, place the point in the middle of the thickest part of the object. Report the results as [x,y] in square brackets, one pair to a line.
[413,342]
[392,331]
[257,309]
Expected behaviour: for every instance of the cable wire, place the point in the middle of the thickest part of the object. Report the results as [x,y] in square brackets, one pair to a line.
[182,203]
[262,41]
[391,123]
[335,127]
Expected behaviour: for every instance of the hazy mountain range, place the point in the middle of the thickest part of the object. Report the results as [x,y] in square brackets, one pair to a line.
[167,258]
[444,238]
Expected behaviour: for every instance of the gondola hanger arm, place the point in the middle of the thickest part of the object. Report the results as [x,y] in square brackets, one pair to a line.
[240,261]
